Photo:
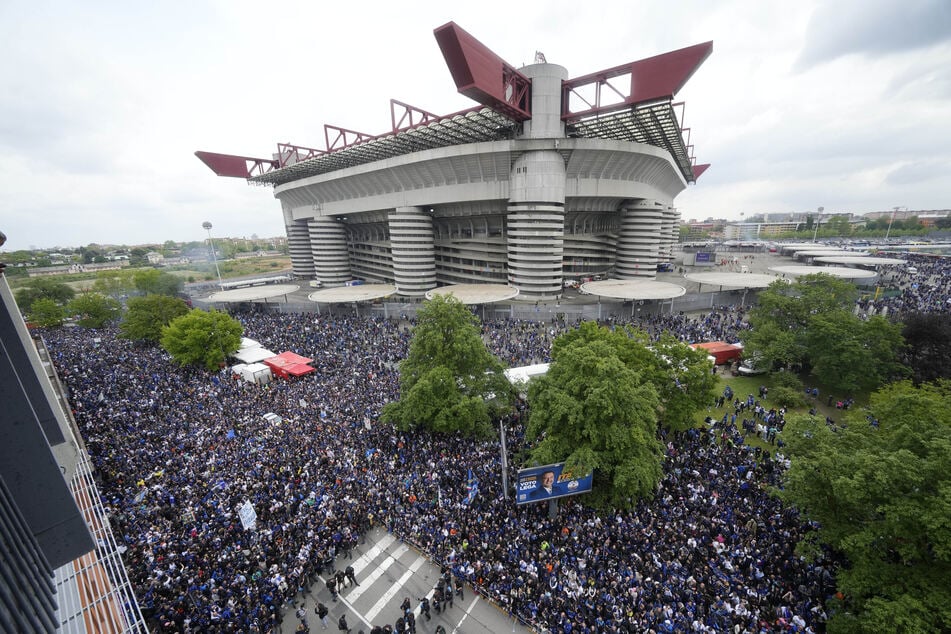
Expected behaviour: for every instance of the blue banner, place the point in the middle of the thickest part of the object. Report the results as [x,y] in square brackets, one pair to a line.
[549,482]
[472,488]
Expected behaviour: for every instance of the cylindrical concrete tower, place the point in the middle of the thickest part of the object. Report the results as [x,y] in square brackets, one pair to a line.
[669,233]
[328,240]
[414,255]
[298,246]
[639,240]
[535,231]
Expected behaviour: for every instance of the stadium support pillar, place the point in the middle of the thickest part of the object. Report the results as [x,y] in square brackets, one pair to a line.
[328,245]
[298,246]
[535,232]
[639,240]
[414,256]
[670,230]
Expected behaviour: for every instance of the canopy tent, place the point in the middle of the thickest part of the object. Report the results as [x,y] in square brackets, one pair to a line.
[289,364]
[252,354]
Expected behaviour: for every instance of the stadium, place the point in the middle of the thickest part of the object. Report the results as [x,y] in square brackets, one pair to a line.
[549,178]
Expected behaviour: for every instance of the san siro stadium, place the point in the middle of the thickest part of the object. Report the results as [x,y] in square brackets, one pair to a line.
[548,179]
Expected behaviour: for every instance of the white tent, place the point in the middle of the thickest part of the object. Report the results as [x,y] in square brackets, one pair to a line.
[253,354]
[256,373]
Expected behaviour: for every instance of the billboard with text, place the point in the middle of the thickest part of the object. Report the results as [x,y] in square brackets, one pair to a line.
[536,484]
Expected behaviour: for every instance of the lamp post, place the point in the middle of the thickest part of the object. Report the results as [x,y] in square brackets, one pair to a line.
[815,234]
[207,227]
[890,221]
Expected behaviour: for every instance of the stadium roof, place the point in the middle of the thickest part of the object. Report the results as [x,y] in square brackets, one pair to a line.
[733,280]
[634,289]
[841,272]
[476,293]
[253,293]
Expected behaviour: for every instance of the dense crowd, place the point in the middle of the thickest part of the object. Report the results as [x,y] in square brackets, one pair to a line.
[178,450]
[926,290]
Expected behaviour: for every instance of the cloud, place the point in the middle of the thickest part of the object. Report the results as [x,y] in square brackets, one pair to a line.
[873,28]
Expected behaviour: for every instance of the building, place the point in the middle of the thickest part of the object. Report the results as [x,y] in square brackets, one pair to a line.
[542,181]
[60,567]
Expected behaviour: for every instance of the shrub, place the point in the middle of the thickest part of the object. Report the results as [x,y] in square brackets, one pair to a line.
[787,397]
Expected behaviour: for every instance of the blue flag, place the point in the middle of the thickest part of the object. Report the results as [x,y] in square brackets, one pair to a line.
[472,488]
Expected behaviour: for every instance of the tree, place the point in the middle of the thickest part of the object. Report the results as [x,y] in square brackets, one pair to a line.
[879,489]
[157,282]
[204,338]
[146,316]
[46,313]
[449,381]
[851,355]
[594,411]
[94,309]
[114,283]
[784,312]
[928,346]
[43,288]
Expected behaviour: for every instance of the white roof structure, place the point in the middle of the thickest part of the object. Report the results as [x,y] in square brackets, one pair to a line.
[733,280]
[523,374]
[476,293]
[841,272]
[252,293]
[634,289]
[358,293]
[253,354]
[861,261]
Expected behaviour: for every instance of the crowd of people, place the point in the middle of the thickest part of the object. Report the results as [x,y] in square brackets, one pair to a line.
[178,450]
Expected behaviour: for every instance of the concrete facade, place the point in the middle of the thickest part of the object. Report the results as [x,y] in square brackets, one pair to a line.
[529,211]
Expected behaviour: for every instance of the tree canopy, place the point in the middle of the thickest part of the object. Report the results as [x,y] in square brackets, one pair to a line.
[927,346]
[596,409]
[146,316]
[204,338]
[157,282]
[94,309]
[449,381]
[810,323]
[46,313]
[43,288]
[879,489]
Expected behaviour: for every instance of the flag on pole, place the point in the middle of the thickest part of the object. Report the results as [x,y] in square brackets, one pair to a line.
[472,488]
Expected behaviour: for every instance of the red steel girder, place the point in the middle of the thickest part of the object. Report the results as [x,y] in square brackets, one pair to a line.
[411,116]
[651,79]
[698,170]
[236,166]
[482,75]
[345,137]
[287,151]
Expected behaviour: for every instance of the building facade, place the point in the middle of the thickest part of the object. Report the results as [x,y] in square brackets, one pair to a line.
[534,186]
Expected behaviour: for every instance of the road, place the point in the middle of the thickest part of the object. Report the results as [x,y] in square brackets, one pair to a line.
[389,570]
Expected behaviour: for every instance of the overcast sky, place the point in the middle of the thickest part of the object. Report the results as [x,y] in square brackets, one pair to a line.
[844,104]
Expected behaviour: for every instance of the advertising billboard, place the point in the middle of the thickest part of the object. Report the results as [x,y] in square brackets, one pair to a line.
[705,258]
[552,481]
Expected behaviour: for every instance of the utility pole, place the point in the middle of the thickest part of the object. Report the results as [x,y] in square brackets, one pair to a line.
[890,221]
[207,227]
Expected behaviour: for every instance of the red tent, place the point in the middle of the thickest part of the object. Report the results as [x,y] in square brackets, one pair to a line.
[289,364]
[720,350]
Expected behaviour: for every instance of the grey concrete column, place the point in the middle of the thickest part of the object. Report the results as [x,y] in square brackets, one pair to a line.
[639,240]
[414,255]
[298,246]
[535,225]
[670,231]
[328,245]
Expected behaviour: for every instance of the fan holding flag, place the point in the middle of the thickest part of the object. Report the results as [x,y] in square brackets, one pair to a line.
[472,488]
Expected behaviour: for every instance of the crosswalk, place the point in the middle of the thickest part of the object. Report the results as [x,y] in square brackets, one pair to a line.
[388,572]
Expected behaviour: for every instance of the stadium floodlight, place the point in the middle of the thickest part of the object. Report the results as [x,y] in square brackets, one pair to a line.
[207,227]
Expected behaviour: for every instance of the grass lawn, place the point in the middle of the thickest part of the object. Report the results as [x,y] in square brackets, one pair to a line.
[745,385]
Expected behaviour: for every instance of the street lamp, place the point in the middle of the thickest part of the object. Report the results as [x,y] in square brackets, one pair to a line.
[815,234]
[890,221]
[207,227]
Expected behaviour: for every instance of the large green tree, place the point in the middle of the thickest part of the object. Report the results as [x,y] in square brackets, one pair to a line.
[879,489]
[146,316]
[810,323]
[46,313]
[449,381]
[43,288]
[927,345]
[157,282]
[204,338]
[94,309]
[596,409]
[115,282]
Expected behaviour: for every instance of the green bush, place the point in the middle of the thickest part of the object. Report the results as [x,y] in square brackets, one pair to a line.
[787,397]
[786,379]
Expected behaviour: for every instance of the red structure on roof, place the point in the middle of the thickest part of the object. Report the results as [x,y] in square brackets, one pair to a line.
[720,350]
[288,364]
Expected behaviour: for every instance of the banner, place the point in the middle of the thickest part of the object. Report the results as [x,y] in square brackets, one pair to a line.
[247,515]
[472,488]
[549,482]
